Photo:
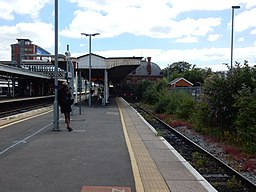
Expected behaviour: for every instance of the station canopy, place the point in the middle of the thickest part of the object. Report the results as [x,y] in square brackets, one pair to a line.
[117,67]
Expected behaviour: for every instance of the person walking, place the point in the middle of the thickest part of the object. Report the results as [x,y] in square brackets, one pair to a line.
[65,101]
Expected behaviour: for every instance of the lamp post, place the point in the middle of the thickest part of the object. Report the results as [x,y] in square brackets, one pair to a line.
[56,107]
[232,34]
[90,65]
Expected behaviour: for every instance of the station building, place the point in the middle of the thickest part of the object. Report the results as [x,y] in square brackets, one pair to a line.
[108,72]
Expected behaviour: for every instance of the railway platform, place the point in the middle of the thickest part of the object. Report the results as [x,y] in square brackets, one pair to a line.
[111,149]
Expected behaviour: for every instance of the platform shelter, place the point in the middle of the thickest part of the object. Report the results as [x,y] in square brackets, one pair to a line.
[108,72]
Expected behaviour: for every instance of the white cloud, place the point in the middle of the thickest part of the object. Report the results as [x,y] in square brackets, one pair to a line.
[187,40]
[5,52]
[137,21]
[6,11]
[249,3]
[130,53]
[154,18]
[175,7]
[197,27]
[245,20]
[121,15]
[253,32]
[213,37]
[206,57]
[206,5]
[241,39]
[247,53]
[40,33]
[157,19]
[22,7]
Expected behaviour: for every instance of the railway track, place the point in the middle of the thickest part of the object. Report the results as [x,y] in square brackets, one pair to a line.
[4,114]
[220,175]
[23,105]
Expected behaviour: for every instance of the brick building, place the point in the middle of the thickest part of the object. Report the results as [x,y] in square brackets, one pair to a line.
[180,82]
[146,71]
[23,47]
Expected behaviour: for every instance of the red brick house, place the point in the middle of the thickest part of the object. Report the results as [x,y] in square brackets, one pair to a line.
[180,82]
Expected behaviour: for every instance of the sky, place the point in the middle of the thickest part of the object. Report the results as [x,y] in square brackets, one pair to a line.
[197,32]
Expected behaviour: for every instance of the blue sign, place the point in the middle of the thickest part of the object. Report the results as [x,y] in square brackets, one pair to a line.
[41,51]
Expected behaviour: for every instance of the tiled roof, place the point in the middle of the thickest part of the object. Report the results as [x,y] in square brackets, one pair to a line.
[142,69]
[178,79]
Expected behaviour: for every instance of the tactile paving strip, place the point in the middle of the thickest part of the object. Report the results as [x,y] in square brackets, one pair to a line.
[151,178]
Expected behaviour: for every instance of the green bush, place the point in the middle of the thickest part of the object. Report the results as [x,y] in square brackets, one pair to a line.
[227,108]
[179,103]
[185,106]
[200,115]
[164,102]
[140,88]
[228,105]
[245,121]
[150,96]
[153,93]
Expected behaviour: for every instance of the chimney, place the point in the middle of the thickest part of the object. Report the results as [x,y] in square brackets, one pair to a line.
[149,65]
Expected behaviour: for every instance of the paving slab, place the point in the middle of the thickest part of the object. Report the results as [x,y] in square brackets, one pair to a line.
[163,155]
[186,186]
[155,144]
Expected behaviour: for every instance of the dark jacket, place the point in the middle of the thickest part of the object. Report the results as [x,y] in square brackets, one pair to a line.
[64,100]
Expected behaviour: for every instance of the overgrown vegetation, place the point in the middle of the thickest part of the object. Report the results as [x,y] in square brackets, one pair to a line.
[179,103]
[198,161]
[234,183]
[227,107]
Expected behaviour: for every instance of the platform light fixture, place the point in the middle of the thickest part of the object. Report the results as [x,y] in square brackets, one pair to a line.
[90,65]
[232,34]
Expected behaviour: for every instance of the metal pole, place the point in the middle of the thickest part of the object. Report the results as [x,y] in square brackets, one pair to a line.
[232,34]
[13,87]
[56,108]
[90,65]
[67,63]
[105,87]
[76,88]
[90,71]
[80,92]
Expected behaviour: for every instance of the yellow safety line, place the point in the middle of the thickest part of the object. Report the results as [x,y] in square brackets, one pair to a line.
[27,118]
[138,182]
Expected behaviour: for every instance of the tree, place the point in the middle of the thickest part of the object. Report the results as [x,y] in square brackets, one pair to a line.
[154,91]
[197,75]
[180,67]
[140,88]
[245,121]
[184,69]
